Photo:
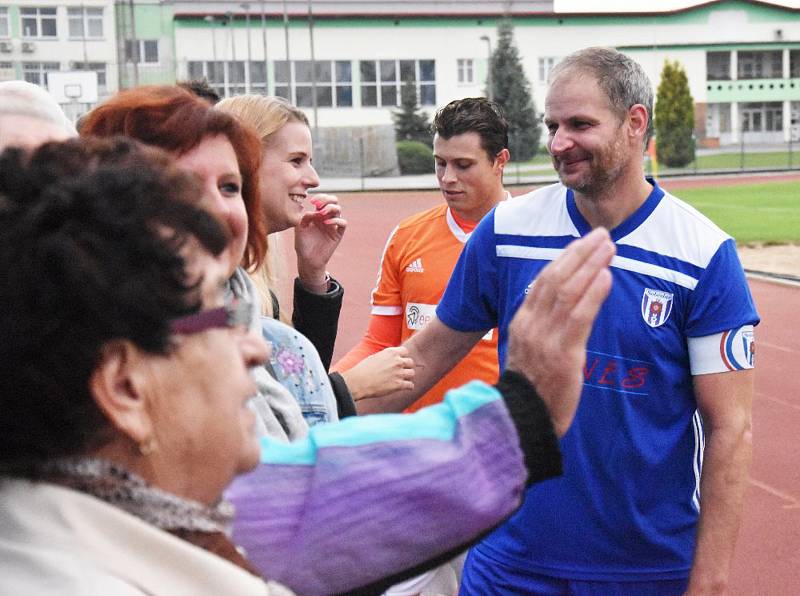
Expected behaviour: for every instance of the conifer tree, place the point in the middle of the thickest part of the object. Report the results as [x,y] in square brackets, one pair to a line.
[674,117]
[410,122]
[512,91]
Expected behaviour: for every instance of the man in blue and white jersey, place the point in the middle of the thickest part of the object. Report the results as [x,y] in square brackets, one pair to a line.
[667,386]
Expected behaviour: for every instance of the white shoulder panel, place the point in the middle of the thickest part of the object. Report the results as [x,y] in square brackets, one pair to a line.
[542,212]
[678,230]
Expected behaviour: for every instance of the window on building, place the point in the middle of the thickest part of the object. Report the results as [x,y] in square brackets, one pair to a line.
[258,78]
[545,66]
[141,51]
[230,78]
[85,22]
[98,67]
[760,65]
[718,66]
[36,72]
[466,70]
[718,119]
[794,64]
[333,80]
[5,27]
[762,117]
[38,21]
[381,81]
[7,71]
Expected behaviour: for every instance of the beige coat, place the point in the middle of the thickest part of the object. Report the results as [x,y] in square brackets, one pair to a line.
[55,540]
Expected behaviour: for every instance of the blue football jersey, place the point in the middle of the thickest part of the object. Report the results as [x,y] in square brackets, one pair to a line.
[627,505]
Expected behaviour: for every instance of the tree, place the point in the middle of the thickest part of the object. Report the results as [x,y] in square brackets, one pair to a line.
[410,122]
[512,91]
[674,117]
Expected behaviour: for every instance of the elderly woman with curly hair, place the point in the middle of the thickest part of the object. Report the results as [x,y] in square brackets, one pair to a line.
[124,381]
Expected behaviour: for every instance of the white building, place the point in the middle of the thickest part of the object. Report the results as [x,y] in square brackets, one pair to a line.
[63,35]
[742,56]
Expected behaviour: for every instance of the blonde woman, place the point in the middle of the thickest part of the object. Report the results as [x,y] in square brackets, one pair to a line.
[286,176]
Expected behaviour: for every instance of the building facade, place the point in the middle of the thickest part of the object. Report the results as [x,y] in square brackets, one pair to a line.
[346,61]
[40,37]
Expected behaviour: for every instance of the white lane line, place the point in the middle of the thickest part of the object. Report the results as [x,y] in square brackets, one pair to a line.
[775,347]
[791,502]
[778,401]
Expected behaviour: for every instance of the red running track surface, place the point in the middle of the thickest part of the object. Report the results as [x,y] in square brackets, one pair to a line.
[767,559]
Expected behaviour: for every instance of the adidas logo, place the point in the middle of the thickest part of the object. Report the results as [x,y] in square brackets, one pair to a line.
[415,266]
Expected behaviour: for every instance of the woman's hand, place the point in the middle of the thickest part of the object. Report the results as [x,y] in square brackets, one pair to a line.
[387,371]
[315,238]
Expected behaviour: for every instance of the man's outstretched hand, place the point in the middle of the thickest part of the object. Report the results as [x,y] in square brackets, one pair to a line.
[548,335]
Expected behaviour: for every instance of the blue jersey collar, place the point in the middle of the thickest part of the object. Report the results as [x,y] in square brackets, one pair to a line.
[626,227]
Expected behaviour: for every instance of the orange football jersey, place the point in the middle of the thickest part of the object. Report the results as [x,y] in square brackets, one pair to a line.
[417,262]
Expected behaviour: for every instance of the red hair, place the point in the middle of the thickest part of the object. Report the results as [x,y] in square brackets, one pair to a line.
[174,119]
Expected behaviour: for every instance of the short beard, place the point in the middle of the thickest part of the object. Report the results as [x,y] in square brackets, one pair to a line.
[599,178]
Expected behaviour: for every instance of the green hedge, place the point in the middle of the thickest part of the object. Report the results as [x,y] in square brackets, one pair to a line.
[414,157]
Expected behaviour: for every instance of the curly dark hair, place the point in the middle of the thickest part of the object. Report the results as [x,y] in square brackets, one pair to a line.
[90,237]
[176,120]
[474,114]
[202,89]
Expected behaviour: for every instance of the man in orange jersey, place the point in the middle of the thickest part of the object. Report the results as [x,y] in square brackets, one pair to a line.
[470,147]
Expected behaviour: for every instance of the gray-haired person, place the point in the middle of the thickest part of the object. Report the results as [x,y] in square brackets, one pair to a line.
[29,116]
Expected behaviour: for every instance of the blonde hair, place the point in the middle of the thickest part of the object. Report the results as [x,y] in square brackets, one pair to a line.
[265,115]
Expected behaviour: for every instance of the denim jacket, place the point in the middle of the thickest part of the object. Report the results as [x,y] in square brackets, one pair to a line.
[297,366]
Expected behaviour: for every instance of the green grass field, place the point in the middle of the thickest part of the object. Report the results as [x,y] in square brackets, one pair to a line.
[765,213]
[736,161]
[716,161]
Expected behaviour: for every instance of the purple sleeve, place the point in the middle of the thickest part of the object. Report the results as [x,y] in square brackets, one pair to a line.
[372,496]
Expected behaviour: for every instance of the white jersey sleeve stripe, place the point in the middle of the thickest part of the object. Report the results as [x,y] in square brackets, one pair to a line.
[697,462]
[387,310]
[657,271]
[528,252]
[550,254]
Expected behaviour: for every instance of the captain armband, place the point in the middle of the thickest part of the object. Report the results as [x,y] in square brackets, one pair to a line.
[722,352]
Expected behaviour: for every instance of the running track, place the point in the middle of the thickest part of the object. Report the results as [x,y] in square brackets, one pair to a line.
[767,560]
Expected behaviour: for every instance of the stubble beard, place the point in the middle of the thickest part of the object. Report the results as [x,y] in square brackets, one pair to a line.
[603,172]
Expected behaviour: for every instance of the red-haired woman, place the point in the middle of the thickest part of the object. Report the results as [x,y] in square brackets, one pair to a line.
[225,156]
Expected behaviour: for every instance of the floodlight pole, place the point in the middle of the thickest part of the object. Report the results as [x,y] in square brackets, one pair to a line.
[210,20]
[286,43]
[232,34]
[489,74]
[264,41]
[313,66]
[134,44]
[246,7]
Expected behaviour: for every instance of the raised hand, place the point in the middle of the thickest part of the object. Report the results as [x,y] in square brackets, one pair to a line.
[548,335]
[316,238]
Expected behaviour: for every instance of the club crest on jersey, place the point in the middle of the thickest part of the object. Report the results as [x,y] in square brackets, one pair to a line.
[656,307]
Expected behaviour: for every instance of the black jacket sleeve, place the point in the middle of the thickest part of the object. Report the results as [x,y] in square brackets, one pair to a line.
[539,445]
[537,437]
[345,405]
[317,317]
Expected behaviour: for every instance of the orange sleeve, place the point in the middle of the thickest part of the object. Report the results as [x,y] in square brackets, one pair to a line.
[383,332]
[385,298]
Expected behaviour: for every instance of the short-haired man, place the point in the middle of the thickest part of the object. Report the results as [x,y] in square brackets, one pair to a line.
[669,357]
[470,146]
[30,116]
